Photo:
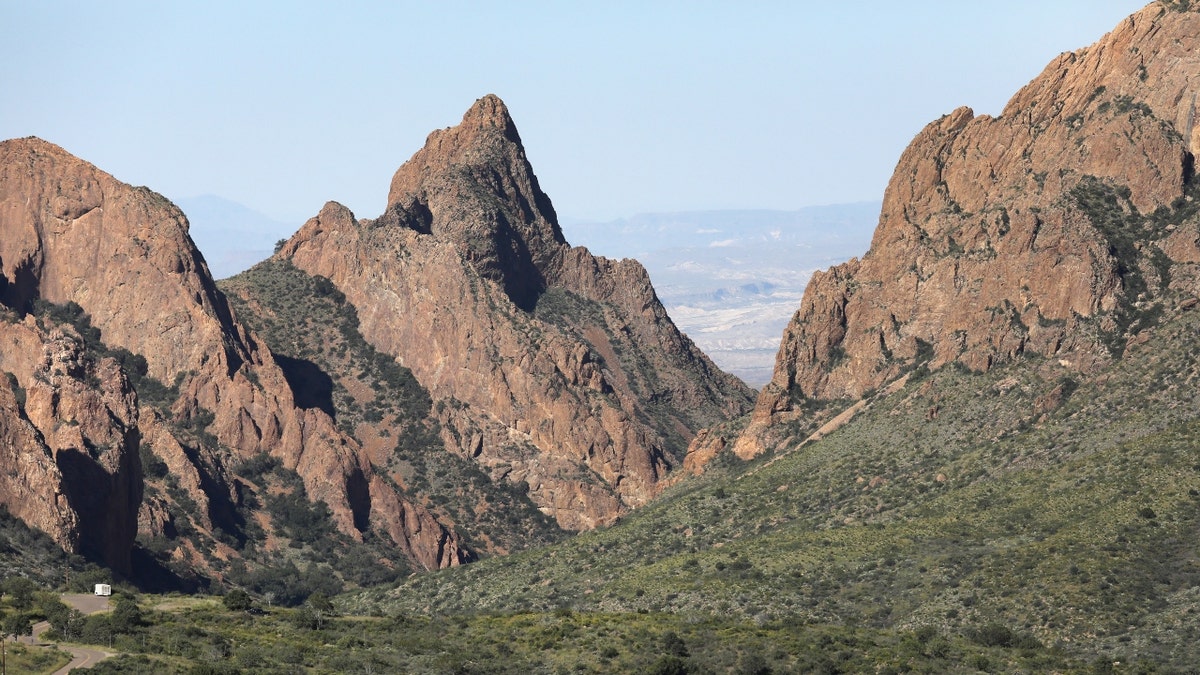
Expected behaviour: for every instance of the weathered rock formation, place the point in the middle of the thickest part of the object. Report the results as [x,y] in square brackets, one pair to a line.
[70,233]
[31,483]
[549,366]
[1051,229]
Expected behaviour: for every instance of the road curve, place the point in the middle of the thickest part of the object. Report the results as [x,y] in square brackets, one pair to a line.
[81,657]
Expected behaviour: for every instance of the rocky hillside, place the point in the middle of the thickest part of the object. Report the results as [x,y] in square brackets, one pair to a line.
[539,388]
[548,366]
[314,335]
[133,397]
[986,429]
[1056,229]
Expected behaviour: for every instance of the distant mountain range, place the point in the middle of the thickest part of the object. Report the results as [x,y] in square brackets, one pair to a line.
[731,280]
[232,236]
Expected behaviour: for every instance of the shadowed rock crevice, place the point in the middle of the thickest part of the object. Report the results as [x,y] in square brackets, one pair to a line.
[223,511]
[358,493]
[311,387]
[21,291]
[107,521]
[522,280]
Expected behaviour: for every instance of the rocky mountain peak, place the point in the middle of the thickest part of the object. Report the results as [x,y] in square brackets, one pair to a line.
[487,132]
[115,261]
[550,367]
[1053,229]
[473,185]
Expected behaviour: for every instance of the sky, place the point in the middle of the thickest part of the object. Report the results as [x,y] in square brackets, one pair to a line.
[624,107]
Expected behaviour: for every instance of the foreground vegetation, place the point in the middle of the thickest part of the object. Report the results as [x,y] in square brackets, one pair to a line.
[176,634]
[1052,505]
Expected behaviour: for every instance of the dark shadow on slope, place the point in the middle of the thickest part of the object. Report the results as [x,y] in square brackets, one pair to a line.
[523,282]
[229,523]
[104,536]
[358,493]
[311,386]
[152,575]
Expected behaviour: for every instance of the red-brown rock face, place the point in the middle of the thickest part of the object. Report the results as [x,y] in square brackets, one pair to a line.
[71,444]
[998,235]
[550,366]
[71,233]
[31,482]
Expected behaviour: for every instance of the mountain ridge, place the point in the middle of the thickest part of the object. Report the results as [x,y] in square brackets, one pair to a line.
[981,209]
[157,434]
[986,423]
[422,277]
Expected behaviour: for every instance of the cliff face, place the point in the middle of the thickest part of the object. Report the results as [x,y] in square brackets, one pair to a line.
[549,366]
[32,484]
[138,405]
[1051,229]
[70,233]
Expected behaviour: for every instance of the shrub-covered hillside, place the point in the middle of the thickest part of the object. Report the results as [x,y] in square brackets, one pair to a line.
[1053,504]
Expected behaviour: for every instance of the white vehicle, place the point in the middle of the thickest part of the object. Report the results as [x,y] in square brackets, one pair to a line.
[103,589]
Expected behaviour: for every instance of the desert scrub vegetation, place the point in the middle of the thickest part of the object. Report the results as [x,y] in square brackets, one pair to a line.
[197,634]
[1053,503]
[1145,270]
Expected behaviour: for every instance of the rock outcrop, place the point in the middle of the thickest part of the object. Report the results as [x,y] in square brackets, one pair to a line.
[551,367]
[1048,230]
[138,405]
[31,483]
[70,233]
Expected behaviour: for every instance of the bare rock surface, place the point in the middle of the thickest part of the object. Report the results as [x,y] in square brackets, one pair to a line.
[561,369]
[70,233]
[1047,230]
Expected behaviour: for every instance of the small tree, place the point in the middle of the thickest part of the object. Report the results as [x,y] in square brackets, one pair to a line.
[321,602]
[126,616]
[21,590]
[673,645]
[314,612]
[237,600]
[17,624]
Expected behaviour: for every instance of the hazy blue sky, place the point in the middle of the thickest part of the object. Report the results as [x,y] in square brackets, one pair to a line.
[624,107]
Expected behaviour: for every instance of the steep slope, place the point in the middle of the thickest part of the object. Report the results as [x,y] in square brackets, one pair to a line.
[1053,229]
[72,236]
[68,452]
[549,366]
[1021,498]
[313,333]
[1009,380]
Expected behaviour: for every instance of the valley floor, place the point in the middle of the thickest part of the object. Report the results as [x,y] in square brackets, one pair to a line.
[192,635]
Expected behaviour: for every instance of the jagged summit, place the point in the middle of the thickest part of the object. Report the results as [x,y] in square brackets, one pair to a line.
[486,132]
[472,184]
[552,367]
